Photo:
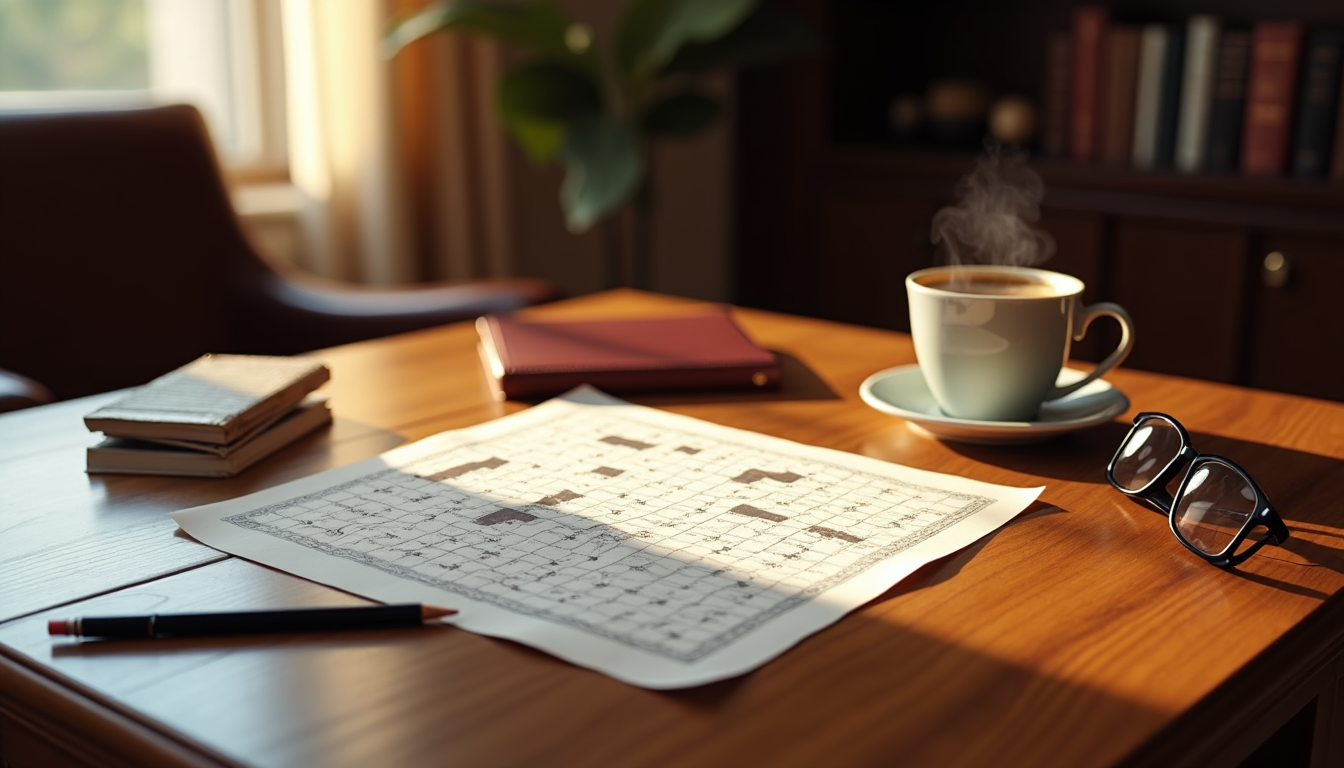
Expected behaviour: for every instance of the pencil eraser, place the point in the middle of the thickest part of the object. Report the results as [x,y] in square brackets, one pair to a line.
[56,627]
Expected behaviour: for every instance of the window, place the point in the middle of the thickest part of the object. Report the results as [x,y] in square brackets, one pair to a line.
[224,56]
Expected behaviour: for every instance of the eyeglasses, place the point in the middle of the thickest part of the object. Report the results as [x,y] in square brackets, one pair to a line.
[1216,506]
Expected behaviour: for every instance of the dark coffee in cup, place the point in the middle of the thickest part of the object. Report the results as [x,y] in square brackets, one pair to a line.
[981,284]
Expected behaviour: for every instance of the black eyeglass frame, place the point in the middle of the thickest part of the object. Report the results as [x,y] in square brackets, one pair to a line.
[1188,459]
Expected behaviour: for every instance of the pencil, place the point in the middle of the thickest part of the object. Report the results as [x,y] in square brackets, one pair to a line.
[248,622]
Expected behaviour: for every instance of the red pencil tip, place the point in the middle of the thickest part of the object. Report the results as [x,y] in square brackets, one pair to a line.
[56,627]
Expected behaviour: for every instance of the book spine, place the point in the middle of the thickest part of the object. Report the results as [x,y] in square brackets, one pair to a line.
[1169,103]
[1229,100]
[665,380]
[1055,125]
[1192,127]
[1121,72]
[1316,104]
[1271,86]
[1337,154]
[1089,30]
[1148,93]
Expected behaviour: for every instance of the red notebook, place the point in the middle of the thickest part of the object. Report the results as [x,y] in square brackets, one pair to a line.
[528,358]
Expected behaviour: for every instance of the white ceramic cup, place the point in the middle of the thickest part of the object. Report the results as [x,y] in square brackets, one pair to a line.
[991,341]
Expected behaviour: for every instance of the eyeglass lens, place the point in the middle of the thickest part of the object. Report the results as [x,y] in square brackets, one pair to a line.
[1151,447]
[1216,503]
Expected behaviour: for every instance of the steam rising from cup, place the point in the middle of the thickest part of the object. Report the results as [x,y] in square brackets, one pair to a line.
[993,221]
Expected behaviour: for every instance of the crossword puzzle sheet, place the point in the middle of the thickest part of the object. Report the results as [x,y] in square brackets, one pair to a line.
[656,548]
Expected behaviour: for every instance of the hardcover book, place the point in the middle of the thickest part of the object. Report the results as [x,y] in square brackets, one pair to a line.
[1148,94]
[537,358]
[1275,49]
[1192,128]
[1169,100]
[135,457]
[216,399]
[1055,128]
[1089,33]
[1117,107]
[1337,154]
[1317,103]
[1229,100]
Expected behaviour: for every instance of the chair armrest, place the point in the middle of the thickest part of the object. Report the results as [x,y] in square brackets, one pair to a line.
[21,392]
[298,313]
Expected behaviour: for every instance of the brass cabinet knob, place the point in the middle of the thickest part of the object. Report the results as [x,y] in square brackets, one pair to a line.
[1275,270]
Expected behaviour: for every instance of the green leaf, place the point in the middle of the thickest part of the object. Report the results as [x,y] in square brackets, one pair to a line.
[681,114]
[538,100]
[652,30]
[540,139]
[538,25]
[768,34]
[602,168]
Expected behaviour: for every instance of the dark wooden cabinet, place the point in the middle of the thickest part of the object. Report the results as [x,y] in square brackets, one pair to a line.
[1183,284]
[1297,316]
[874,240]
[833,212]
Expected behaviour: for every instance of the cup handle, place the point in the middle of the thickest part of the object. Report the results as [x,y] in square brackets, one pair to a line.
[1081,321]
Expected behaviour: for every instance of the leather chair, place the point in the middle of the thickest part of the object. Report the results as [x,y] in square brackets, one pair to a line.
[121,258]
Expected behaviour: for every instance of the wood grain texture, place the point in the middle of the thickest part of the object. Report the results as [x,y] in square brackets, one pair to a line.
[1081,634]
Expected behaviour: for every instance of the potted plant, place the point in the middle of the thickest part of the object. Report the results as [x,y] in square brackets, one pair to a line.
[594,111]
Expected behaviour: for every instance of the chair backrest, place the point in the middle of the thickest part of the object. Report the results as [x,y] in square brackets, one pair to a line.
[116,243]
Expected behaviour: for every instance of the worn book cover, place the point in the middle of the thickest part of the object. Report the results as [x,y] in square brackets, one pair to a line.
[1148,93]
[1229,100]
[1201,60]
[136,457]
[1272,87]
[1089,35]
[215,399]
[1169,98]
[1055,93]
[536,358]
[1121,80]
[1316,104]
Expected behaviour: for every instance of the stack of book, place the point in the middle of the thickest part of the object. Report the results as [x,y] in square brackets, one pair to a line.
[213,417]
[1202,95]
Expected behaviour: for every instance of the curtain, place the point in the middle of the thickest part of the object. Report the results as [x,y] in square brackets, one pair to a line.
[407,174]
[455,153]
[400,163]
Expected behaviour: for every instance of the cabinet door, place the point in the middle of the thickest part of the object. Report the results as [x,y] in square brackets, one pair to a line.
[1183,284]
[870,240]
[1297,333]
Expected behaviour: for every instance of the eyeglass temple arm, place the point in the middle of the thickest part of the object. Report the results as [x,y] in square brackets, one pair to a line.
[1276,532]
[1272,520]
[1242,556]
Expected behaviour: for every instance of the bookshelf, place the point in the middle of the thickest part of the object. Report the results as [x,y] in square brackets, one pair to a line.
[834,207]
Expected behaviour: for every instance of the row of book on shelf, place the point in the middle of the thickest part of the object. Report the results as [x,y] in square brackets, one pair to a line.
[1263,99]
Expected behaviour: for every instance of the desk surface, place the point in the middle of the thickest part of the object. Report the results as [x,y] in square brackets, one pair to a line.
[1081,634]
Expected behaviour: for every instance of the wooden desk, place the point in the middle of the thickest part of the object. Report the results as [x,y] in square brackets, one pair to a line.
[1082,634]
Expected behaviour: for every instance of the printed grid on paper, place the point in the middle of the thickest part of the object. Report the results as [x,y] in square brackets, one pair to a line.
[668,540]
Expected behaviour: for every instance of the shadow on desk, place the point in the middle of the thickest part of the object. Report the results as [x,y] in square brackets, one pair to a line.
[1078,457]
[344,442]
[796,382]
[871,656]
[1304,488]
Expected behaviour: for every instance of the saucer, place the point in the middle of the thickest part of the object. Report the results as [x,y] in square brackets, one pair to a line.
[901,392]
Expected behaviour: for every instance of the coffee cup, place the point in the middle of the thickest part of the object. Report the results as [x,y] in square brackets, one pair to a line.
[991,341]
